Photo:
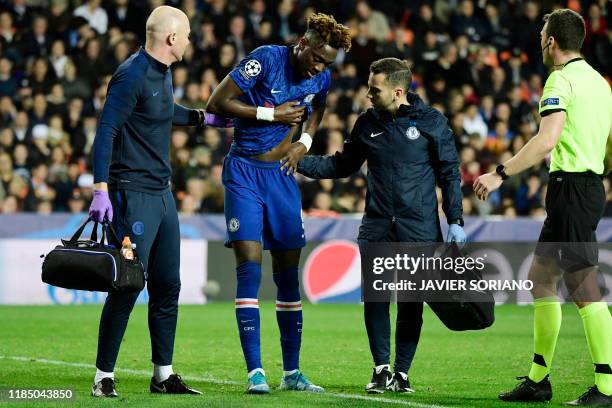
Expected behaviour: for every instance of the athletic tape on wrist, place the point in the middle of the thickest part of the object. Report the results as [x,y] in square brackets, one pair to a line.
[264,113]
[306,140]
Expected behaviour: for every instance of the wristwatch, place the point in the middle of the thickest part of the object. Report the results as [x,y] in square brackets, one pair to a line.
[458,221]
[501,170]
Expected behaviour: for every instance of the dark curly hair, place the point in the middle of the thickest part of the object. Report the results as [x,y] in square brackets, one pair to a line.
[327,30]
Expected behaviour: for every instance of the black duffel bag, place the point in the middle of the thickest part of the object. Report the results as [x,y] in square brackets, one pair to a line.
[92,265]
[467,309]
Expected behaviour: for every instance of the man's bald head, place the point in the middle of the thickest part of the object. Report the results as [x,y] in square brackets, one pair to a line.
[165,20]
[168,29]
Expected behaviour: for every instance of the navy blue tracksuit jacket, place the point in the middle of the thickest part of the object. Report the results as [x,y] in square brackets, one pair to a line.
[407,155]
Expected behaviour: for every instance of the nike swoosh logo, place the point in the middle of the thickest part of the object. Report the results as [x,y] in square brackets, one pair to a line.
[376,134]
[158,388]
[275,91]
[155,93]
[246,321]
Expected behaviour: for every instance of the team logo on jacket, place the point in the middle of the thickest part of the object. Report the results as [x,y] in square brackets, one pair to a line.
[233,225]
[332,273]
[252,68]
[413,133]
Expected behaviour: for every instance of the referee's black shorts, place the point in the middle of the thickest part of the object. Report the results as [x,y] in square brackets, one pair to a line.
[574,205]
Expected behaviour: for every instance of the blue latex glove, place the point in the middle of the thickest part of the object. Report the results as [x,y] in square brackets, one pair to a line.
[456,234]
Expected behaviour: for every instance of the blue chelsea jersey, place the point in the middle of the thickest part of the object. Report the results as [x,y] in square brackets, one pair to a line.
[266,78]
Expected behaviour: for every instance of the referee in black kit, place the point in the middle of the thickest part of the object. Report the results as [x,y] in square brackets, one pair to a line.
[409,147]
[132,179]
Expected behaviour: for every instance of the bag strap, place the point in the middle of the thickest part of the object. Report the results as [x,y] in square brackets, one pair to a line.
[103,236]
[94,232]
[111,235]
[78,232]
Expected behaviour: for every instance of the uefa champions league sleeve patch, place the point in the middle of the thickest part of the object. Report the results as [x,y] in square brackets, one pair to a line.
[251,68]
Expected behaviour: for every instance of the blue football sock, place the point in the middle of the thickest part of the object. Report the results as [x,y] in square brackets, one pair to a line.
[289,316]
[247,312]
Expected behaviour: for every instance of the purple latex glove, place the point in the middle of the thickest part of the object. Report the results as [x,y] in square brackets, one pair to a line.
[101,207]
[210,119]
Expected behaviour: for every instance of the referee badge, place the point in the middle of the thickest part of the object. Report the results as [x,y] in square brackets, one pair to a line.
[413,133]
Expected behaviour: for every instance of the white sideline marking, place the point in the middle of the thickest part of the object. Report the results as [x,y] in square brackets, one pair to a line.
[213,380]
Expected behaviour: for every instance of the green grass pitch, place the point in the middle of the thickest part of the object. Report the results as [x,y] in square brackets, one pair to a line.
[55,347]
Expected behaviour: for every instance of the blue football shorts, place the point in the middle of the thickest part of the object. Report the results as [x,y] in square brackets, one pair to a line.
[262,203]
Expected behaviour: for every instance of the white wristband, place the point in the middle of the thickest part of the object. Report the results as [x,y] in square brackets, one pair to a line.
[306,140]
[264,113]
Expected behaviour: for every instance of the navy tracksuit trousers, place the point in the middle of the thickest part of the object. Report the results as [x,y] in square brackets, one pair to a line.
[151,222]
[408,325]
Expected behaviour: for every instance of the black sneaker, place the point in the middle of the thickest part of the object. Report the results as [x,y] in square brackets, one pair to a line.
[400,383]
[104,388]
[173,385]
[592,398]
[381,380]
[529,390]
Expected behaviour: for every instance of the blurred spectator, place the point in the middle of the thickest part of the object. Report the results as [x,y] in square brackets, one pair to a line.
[227,60]
[38,42]
[466,21]
[374,21]
[74,86]
[425,21]
[59,17]
[92,64]
[8,83]
[498,30]
[242,44]
[363,52]
[58,58]
[41,77]
[94,14]
[527,34]
[473,122]
[286,21]
[128,16]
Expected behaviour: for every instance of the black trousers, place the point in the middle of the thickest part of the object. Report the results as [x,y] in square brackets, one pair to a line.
[151,222]
[407,326]
[407,332]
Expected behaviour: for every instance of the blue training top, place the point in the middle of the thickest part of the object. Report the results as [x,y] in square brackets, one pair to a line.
[266,78]
[136,122]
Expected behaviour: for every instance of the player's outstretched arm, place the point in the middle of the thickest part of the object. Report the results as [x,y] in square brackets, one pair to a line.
[340,165]
[224,102]
[198,117]
[531,154]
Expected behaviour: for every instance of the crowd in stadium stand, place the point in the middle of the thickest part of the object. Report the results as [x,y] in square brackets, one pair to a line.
[478,62]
